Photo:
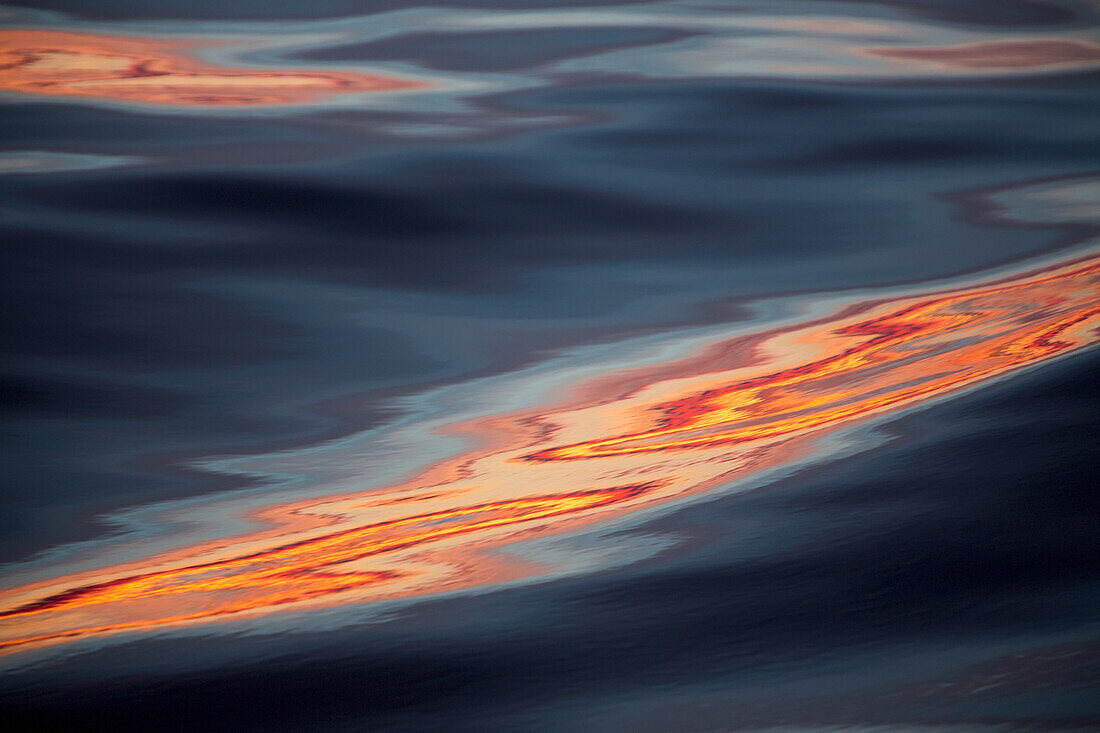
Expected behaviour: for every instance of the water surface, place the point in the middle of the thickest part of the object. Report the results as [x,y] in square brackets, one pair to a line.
[566,366]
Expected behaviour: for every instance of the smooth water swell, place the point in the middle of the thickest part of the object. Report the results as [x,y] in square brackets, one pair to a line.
[549,365]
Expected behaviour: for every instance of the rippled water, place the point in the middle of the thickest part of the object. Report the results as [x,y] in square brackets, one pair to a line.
[550,366]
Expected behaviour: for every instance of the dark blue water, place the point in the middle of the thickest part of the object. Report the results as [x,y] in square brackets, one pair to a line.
[187,282]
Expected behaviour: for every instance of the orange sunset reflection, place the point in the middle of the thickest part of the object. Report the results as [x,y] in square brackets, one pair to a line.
[608,446]
[161,71]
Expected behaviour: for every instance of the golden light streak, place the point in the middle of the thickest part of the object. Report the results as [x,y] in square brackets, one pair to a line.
[161,71]
[879,363]
[609,446]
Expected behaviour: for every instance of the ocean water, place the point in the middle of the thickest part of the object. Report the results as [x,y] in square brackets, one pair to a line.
[550,365]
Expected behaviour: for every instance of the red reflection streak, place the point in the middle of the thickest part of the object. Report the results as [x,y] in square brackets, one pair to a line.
[923,349]
[295,572]
[739,407]
[160,71]
[1015,55]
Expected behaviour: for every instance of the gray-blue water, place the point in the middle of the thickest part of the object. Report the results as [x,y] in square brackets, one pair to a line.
[191,275]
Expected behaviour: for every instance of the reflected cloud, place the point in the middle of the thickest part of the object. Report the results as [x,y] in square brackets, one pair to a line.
[458,58]
[36,161]
[1012,55]
[617,443]
[161,72]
